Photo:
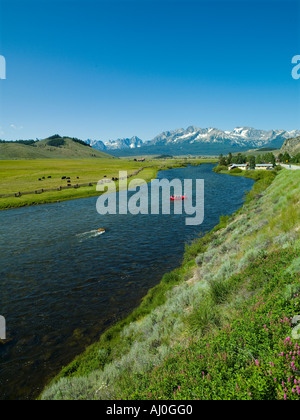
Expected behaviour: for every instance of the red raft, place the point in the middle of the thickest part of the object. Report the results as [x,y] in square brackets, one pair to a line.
[178,197]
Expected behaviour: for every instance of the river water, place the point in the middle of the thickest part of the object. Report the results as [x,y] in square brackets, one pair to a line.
[62,284]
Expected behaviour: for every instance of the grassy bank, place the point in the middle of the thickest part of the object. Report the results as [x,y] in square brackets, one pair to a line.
[33,175]
[219,327]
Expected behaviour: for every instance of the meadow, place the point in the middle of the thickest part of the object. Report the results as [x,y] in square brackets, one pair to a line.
[218,327]
[36,174]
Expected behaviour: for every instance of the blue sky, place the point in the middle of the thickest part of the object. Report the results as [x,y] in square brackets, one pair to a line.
[108,69]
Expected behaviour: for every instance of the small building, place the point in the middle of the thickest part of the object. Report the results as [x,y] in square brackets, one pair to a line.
[263,166]
[242,166]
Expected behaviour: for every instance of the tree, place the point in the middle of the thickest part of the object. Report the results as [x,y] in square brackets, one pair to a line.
[286,157]
[240,158]
[296,159]
[269,158]
[223,162]
[252,162]
[259,159]
[56,142]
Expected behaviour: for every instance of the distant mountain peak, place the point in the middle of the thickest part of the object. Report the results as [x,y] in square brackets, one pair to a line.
[193,137]
[124,143]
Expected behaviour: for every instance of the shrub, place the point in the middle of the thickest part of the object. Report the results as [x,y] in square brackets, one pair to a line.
[219,290]
[278,168]
[220,168]
[203,317]
[236,171]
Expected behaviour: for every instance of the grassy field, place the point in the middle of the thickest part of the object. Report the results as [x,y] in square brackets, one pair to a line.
[218,327]
[23,175]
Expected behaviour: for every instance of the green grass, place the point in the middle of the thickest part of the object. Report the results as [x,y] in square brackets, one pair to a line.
[23,175]
[250,357]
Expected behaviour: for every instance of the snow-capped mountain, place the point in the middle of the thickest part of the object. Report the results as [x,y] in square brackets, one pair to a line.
[240,136]
[96,144]
[132,143]
[198,140]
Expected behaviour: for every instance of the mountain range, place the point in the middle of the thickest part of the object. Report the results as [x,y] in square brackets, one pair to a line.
[132,143]
[196,140]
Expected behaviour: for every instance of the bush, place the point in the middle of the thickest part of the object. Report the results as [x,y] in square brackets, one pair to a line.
[220,168]
[203,317]
[236,171]
[278,168]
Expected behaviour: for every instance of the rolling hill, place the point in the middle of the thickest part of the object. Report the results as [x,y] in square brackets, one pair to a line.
[55,148]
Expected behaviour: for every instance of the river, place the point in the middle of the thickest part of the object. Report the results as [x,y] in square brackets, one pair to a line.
[62,284]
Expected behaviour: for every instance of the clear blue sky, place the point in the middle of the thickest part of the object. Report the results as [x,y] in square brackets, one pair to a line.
[108,69]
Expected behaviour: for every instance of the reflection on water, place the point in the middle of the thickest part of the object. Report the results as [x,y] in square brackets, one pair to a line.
[62,283]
